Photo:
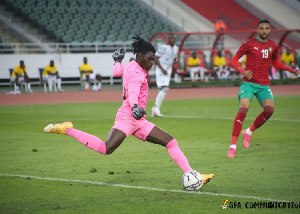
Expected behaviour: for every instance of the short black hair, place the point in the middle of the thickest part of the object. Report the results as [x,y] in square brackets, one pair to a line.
[141,46]
[264,21]
[171,34]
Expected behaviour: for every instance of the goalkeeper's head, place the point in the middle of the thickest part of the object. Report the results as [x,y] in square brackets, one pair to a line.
[145,52]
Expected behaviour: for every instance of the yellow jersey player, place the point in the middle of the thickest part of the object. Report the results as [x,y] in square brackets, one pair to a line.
[50,74]
[87,74]
[19,75]
[287,58]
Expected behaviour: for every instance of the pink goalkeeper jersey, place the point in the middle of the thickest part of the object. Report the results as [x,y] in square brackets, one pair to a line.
[135,87]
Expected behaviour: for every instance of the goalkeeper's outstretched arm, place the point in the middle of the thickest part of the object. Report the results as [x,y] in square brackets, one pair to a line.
[118,70]
[118,56]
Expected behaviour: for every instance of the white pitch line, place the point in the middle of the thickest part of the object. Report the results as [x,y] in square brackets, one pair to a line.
[144,188]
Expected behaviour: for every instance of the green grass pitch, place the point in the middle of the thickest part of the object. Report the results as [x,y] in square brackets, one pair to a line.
[42,173]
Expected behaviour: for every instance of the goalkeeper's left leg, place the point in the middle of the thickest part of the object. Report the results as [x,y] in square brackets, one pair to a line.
[178,156]
[88,140]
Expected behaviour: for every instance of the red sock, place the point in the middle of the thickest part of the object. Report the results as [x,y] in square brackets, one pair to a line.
[237,124]
[262,118]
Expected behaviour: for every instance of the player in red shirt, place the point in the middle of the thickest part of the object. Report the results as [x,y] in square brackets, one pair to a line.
[261,52]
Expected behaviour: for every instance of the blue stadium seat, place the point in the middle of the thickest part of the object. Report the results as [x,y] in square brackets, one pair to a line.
[67,19]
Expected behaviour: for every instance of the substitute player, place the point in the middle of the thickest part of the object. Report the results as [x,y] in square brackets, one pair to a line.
[164,59]
[287,58]
[130,118]
[19,75]
[87,74]
[51,75]
[261,52]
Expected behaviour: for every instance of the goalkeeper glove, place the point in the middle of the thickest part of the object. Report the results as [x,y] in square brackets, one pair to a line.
[118,55]
[138,112]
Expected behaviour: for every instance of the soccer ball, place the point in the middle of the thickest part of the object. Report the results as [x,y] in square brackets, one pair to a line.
[192,181]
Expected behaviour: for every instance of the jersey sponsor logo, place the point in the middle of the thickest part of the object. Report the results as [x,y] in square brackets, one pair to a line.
[256,48]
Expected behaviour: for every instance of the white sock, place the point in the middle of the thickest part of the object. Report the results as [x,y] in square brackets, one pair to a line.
[248,131]
[176,78]
[87,85]
[50,84]
[233,146]
[160,98]
[192,73]
[99,84]
[58,83]
[28,86]
[202,73]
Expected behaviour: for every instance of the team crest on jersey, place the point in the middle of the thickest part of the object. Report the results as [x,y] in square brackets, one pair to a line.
[270,49]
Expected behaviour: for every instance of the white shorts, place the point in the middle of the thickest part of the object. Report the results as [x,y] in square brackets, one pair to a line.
[161,79]
[92,76]
[50,77]
[194,69]
[21,79]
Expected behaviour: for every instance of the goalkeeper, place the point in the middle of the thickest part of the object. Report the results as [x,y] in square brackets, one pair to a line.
[130,118]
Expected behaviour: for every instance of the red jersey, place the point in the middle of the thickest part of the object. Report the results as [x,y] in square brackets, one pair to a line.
[259,58]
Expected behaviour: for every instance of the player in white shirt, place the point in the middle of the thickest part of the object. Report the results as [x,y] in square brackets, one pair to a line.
[164,59]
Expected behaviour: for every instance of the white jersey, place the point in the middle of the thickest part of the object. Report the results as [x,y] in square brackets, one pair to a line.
[167,54]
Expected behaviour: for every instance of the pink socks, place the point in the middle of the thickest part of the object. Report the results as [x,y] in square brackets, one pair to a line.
[88,140]
[177,155]
[98,145]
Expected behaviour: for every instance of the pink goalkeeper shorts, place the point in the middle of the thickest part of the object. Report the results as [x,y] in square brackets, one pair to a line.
[139,128]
